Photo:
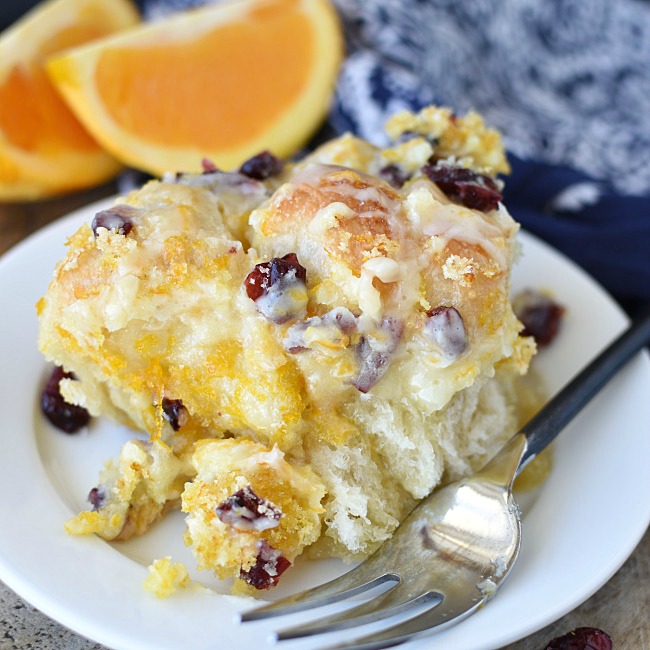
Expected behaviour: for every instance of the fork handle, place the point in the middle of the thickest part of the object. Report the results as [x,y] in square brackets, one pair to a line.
[559,411]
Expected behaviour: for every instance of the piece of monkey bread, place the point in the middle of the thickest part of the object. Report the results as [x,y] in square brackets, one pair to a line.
[250,512]
[310,347]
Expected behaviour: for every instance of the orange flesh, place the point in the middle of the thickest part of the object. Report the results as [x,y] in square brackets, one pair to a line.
[159,107]
[32,115]
[34,118]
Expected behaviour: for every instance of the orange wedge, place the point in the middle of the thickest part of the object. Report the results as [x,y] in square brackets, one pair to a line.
[44,150]
[223,82]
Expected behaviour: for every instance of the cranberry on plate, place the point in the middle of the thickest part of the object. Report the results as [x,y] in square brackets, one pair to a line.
[63,415]
[582,638]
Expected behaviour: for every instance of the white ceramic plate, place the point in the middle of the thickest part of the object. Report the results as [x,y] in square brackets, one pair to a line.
[587,519]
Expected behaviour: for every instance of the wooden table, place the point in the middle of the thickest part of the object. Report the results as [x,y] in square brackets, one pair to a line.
[621,607]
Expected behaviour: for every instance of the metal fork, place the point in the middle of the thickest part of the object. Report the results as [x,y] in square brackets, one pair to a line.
[455,549]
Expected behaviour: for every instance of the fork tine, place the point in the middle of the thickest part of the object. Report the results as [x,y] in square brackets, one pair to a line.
[398,599]
[435,619]
[362,578]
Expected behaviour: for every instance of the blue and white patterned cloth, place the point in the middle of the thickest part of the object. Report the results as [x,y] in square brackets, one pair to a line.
[566,81]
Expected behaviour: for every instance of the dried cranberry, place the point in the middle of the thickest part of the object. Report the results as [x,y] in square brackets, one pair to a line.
[265,275]
[445,327]
[375,352]
[174,412]
[294,341]
[540,315]
[67,417]
[475,191]
[96,497]
[278,288]
[582,638]
[394,175]
[337,325]
[208,166]
[345,320]
[117,218]
[270,565]
[280,267]
[245,510]
[262,166]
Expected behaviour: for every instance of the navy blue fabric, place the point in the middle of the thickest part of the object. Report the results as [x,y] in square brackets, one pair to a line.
[610,238]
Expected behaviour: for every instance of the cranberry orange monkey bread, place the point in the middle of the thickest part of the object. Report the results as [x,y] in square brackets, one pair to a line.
[310,351]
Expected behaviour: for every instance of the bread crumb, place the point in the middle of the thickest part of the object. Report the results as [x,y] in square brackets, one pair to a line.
[166,577]
[85,523]
[460,269]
